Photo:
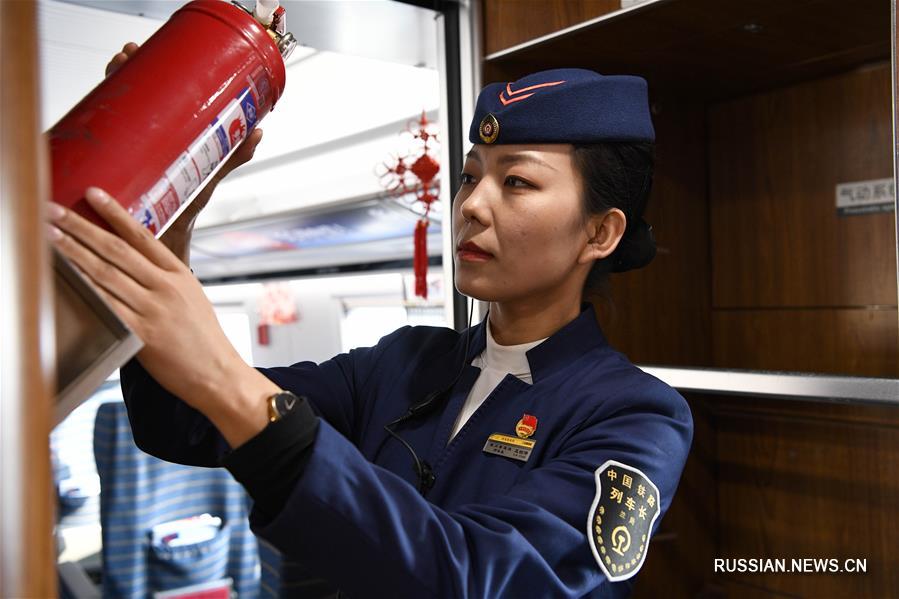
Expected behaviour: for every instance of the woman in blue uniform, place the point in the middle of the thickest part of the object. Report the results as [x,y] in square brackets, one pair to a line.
[524,457]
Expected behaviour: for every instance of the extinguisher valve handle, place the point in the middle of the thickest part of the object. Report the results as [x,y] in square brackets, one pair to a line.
[286,45]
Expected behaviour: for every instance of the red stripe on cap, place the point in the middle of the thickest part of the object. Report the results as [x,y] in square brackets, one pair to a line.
[510,92]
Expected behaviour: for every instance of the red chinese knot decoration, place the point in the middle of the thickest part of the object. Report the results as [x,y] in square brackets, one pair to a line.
[416,173]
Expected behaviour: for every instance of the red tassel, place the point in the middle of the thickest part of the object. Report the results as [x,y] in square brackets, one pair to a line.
[420,259]
[262,334]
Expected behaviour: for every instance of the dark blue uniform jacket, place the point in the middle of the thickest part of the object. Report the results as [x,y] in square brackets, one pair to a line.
[491,526]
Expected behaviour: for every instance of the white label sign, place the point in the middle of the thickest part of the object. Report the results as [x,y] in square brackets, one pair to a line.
[866,197]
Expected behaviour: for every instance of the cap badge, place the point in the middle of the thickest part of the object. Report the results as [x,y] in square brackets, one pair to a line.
[489,129]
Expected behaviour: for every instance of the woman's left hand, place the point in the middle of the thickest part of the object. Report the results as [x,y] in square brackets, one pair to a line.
[157,296]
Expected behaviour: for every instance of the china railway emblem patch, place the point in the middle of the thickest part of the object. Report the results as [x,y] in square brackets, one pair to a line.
[621,518]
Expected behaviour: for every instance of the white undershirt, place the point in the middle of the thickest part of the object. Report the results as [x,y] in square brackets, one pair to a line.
[495,362]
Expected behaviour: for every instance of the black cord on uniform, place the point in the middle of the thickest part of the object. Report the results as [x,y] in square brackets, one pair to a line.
[431,401]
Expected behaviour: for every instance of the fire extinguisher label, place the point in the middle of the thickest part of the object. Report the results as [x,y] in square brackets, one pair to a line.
[249,109]
[260,101]
[185,176]
[222,138]
[145,215]
[162,202]
[262,88]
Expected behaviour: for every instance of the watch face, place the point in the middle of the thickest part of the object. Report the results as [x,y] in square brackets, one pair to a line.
[285,402]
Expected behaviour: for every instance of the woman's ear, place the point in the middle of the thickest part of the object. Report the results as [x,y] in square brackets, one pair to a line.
[604,231]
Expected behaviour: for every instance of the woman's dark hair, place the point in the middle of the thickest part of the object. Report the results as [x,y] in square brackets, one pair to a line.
[618,175]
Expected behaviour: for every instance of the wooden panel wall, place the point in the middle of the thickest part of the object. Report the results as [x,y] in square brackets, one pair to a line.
[795,285]
[856,341]
[507,23]
[26,546]
[781,479]
[660,314]
[808,480]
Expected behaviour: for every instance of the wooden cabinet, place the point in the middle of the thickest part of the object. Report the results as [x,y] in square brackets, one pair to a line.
[511,22]
[795,284]
[781,480]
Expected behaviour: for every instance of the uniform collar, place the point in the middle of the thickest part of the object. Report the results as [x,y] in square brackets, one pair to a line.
[507,358]
[562,347]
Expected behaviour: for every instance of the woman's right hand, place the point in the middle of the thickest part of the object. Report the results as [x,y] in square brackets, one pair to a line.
[177,236]
[185,348]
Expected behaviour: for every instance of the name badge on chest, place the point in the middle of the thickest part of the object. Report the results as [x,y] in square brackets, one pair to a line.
[517,448]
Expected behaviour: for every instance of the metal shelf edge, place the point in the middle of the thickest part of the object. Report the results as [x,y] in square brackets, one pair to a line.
[785,385]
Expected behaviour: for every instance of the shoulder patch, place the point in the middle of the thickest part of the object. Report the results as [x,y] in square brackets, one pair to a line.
[621,517]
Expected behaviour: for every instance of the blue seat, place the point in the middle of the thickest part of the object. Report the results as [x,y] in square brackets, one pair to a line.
[139,492]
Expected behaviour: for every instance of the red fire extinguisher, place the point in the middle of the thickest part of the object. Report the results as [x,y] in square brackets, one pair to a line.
[155,130]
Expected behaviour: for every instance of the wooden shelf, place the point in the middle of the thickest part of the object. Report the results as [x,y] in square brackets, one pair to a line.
[716,48]
[91,341]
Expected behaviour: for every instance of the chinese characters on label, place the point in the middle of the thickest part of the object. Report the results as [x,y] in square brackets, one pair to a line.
[866,197]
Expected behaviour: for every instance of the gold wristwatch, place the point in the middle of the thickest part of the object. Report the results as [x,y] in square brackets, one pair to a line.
[280,404]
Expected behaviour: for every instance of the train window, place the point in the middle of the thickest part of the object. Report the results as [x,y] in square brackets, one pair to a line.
[236,325]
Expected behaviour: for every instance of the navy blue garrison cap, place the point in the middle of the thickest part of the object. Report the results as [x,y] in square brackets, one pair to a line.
[563,106]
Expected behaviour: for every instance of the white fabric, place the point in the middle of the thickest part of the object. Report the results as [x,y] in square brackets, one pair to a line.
[495,362]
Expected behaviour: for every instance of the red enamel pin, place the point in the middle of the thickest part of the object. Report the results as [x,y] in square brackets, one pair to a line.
[526,426]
